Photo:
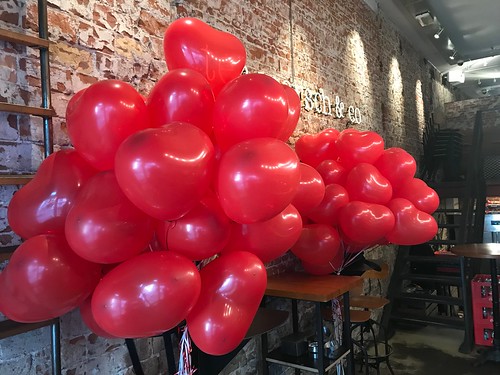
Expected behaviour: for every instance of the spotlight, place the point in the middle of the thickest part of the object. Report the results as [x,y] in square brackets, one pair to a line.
[452,57]
[438,34]
[479,82]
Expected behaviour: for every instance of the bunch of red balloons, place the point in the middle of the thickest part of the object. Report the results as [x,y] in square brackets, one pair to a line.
[198,170]
[357,195]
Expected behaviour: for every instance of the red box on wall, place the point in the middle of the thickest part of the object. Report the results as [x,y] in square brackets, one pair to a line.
[482,311]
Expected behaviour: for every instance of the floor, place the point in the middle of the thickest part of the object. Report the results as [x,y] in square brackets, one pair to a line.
[433,351]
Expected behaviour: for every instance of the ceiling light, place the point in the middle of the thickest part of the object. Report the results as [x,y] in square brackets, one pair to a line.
[494,80]
[438,34]
[452,57]
[479,82]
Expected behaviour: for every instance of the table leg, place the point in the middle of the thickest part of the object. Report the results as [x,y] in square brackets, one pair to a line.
[320,339]
[347,334]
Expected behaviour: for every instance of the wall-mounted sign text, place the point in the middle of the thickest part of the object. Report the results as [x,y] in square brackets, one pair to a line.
[319,102]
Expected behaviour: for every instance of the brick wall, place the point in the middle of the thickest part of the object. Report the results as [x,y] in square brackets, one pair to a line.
[461,114]
[343,48]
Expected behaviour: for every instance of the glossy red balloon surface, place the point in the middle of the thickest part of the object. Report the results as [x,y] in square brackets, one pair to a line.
[88,319]
[312,149]
[232,288]
[355,147]
[257,179]
[268,239]
[423,197]
[328,211]
[326,268]
[365,183]
[103,226]
[146,295]
[332,172]
[191,43]
[102,117]
[250,106]
[201,233]
[366,223]
[166,171]
[294,105]
[182,95]
[311,189]
[318,244]
[412,226]
[45,279]
[397,165]
[41,205]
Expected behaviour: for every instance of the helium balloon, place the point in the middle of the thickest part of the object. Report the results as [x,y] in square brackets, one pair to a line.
[250,106]
[102,117]
[365,183]
[182,95]
[328,211]
[312,149]
[257,179]
[45,279]
[311,190]
[103,226]
[146,295]
[232,287]
[332,172]
[412,226]
[294,105]
[318,244]
[420,194]
[41,205]
[166,171]
[355,147]
[267,239]
[396,165]
[191,43]
[366,223]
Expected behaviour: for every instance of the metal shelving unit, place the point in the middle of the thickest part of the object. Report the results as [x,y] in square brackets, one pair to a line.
[10,328]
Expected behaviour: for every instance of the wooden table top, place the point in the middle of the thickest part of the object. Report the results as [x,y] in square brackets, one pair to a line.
[478,250]
[300,285]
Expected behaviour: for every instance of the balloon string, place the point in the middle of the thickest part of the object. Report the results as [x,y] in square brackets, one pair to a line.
[185,366]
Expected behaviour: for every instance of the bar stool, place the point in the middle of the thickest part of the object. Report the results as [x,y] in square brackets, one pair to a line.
[374,349]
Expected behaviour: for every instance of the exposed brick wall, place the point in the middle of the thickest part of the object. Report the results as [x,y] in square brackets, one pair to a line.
[461,114]
[342,47]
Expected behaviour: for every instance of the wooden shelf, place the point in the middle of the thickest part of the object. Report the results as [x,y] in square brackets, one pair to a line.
[10,328]
[27,110]
[24,39]
[15,179]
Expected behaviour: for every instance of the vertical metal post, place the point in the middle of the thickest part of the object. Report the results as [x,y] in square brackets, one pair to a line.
[55,336]
[347,334]
[45,77]
[320,339]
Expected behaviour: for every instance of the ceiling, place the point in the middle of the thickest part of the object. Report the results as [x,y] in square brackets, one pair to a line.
[471,32]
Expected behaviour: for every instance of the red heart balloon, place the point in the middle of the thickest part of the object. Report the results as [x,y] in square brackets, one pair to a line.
[366,223]
[312,149]
[332,172]
[311,190]
[182,95]
[202,232]
[45,279]
[88,319]
[332,266]
[257,179]
[419,193]
[250,106]
[103,226]
[365,183]
[191,43]
[41,206]
[102,117]
[294,105]
[166,171]
[396,165]
[412,226]
[268,239]
[318,244]
[355,147]
[328,211]
[232,288]
[146,295]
